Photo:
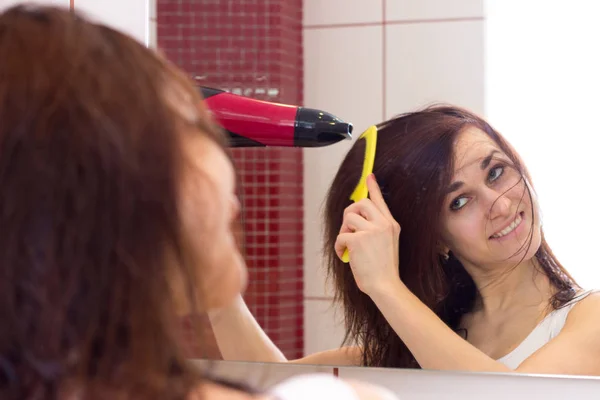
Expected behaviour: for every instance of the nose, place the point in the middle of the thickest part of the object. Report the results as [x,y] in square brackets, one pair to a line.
[499,205]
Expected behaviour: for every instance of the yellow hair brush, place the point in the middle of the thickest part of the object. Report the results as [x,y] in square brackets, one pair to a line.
[361,191]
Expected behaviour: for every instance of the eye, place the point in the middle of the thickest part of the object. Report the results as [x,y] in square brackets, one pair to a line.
[495,173]
[458,203]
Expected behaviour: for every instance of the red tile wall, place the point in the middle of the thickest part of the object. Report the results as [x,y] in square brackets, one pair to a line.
[254,48]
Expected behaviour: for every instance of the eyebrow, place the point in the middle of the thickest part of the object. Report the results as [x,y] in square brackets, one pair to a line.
[486,161]
[484,164]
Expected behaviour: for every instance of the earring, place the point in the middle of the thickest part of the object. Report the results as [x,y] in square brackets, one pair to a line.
[446,256]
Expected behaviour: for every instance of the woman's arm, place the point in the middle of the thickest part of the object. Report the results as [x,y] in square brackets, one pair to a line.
[433,344]
[575,351]
[240,338]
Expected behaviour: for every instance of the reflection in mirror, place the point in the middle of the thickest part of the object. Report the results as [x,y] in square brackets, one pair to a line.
[457,201]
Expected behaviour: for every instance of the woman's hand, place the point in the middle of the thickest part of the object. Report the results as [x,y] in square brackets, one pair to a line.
[371,235]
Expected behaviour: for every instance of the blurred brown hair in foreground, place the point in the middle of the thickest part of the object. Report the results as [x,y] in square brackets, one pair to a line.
[90,158]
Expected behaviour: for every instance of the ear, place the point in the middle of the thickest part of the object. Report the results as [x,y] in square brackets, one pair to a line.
[443,250]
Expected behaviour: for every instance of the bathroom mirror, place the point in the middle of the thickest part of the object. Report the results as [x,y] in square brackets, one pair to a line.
[366,61]
[418,384]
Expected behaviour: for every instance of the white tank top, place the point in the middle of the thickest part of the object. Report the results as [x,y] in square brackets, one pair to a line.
[545,331]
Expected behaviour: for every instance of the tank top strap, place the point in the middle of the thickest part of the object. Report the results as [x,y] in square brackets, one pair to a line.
[558,318]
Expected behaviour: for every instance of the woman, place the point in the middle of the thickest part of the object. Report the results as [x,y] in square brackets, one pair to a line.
[116,211]
[449,268]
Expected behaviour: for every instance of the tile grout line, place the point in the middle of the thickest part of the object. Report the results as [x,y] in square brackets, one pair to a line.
[341,25]
[393,22]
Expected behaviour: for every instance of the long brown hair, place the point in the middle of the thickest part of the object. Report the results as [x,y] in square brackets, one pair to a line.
[414,165]
[90,163]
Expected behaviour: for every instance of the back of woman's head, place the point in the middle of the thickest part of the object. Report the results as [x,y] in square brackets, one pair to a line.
[414,165]
[90,158]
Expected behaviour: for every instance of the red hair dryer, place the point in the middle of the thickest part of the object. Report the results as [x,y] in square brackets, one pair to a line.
[253,123]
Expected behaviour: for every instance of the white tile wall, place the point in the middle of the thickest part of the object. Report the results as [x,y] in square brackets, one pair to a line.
[323,328]
[401,10]
[131,16]
[152,39]
[343,76]
[342,72]
[434,62]
[4,4]
[329,12]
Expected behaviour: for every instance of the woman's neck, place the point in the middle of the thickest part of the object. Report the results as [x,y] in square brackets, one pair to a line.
[503,289]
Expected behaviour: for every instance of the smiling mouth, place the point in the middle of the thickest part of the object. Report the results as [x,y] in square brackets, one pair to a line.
[516,222]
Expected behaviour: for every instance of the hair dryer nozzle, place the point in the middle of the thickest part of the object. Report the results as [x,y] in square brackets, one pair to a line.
[316,128]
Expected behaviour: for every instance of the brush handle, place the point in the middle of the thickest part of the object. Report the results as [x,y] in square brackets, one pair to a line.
[361,191]
[346,256]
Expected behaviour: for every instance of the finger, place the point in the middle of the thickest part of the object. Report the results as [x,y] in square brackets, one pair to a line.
[366,208]
[354,222]
[376,196]
[342,243]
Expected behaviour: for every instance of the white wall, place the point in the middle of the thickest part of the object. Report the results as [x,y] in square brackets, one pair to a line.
[542,86]
[364,61]
[130,16]
[134,17]
[4,4]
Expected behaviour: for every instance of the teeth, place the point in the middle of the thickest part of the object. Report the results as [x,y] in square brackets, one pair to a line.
[509,228]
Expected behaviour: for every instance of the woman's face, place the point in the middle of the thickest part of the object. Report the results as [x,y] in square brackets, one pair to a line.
[488,216]
[209,207]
